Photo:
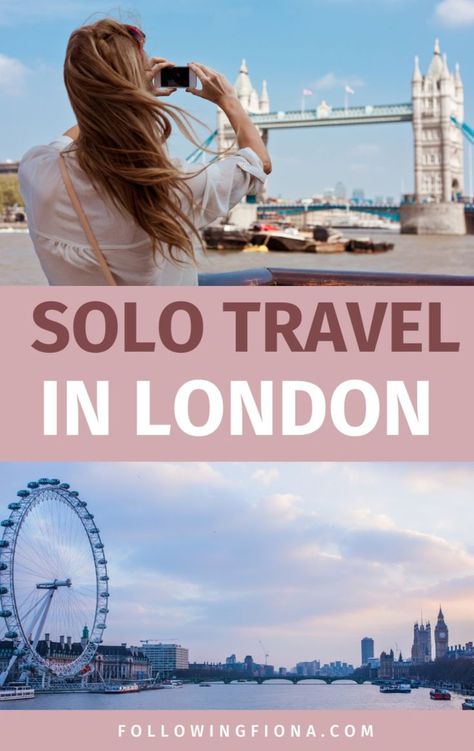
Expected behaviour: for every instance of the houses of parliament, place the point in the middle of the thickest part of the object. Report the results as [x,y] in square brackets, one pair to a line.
[421,650]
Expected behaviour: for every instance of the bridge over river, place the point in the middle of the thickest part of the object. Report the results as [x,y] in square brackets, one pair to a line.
[234,676]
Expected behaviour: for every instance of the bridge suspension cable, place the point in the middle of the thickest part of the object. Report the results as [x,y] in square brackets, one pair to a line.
[199,151]
[468,134]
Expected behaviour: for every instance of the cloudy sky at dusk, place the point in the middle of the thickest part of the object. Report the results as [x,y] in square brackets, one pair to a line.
[320,45]
[306,558]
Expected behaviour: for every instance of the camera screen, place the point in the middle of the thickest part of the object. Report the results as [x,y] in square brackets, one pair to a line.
[175,77]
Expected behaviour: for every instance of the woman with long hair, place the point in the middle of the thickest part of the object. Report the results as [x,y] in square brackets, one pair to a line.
[105,202]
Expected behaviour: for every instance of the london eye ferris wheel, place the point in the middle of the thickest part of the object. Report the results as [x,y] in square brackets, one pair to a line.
[53,582]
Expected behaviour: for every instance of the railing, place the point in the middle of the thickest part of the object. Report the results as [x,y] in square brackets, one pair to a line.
[273,277]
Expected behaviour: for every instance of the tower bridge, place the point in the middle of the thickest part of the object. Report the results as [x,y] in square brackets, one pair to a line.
[436,113]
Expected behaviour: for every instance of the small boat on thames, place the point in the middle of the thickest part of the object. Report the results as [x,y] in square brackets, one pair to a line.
[13,693]
[395,688]
[468,704]
[118,688]
[440,694]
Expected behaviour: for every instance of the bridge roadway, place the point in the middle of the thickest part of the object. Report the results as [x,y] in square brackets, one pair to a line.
[388,211]
[325,115]
[228,676]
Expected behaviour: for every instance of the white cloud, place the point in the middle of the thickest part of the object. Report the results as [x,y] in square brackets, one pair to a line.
[455,12]
[333,81]
[265,476]
[13,76]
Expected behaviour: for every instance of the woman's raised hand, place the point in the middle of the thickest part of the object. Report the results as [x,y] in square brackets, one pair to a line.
[215,86]
[155,64]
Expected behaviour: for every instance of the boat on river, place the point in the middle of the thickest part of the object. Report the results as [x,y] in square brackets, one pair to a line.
[440,694]
[284,240]
[395,688]
[14,693]
[367,245]
[117,688]
[226,237]
[468,704]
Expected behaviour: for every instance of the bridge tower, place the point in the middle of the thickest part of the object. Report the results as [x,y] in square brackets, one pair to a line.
[251,101]
[438,145]
[439,160]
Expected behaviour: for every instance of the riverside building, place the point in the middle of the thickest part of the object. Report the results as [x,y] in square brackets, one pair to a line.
[165,659]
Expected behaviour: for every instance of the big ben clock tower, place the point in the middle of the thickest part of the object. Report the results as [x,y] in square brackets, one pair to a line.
[441,636]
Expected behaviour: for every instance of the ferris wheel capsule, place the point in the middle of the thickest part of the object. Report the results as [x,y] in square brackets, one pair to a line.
[23,493]
[32,485]
[14,506]
[3,566]
[5,613]
[11,635]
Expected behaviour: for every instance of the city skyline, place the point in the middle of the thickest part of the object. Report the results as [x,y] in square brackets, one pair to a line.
[306,558]
[340,44]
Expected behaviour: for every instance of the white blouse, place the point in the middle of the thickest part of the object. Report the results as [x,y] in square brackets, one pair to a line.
[60,242]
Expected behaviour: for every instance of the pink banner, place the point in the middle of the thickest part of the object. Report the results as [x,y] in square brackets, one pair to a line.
[327,373]
[270,730]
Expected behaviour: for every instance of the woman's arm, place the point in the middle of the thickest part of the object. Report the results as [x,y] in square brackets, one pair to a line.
[216,88]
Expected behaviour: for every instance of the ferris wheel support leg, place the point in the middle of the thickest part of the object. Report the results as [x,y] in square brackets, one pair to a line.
[42,619]
[6,672]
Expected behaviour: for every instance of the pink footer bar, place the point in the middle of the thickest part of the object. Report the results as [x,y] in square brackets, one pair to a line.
[269,730]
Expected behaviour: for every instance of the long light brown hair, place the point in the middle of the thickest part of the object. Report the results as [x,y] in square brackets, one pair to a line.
[123,129]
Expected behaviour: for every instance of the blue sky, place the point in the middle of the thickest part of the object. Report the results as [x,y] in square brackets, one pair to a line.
[307,558]
[317,44]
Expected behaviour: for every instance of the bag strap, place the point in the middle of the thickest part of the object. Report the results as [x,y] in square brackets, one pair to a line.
[85,222]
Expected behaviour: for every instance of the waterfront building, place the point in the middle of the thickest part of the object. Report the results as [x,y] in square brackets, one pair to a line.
[232,660]
[438,142]
[391,669]
[441,636]
[458,651]
[340,191]
[110,662]
[367,649]
[249,664]
[421,649]
[337,669]
[165,659]
[9,168]
[358,195]
[308,669]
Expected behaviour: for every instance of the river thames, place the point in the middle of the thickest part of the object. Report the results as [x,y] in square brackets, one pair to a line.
[247,696]
[411,254]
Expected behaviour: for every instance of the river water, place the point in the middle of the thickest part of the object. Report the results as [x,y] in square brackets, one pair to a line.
[246,696]
[425,254]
